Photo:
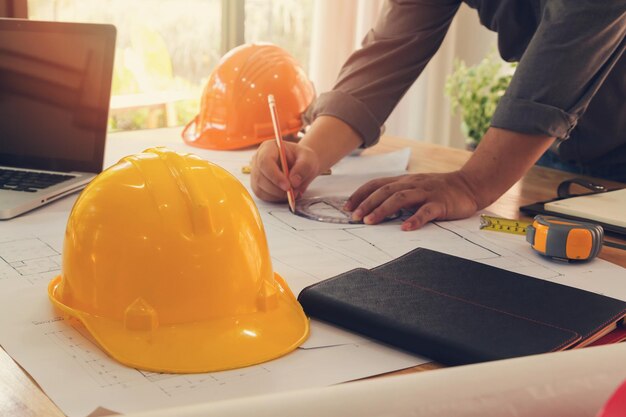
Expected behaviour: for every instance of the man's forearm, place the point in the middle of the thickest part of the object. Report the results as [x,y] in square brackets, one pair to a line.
[331,139]
[500,160]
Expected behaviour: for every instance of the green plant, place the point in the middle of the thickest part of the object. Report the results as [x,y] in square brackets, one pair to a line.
[476,91]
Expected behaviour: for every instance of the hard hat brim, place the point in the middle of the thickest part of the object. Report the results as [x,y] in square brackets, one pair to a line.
[207,346]
[218,139]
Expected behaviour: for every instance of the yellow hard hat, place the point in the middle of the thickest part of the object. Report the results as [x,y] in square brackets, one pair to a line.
[165,262]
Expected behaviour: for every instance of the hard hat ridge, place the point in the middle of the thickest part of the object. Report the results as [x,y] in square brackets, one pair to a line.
[193,198]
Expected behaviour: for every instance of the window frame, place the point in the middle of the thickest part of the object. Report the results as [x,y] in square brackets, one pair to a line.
[232,32]
[14,8]
[233,19]
[233,24]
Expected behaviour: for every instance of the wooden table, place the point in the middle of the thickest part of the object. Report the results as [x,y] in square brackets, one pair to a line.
[20,396]
[539,184]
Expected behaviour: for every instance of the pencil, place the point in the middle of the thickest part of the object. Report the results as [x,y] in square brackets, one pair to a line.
[247,169]
[281,150]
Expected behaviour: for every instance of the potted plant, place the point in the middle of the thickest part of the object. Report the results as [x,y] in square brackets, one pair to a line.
[475,91]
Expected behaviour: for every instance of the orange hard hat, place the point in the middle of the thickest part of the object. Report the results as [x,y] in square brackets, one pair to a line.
[234,112]
[166,263]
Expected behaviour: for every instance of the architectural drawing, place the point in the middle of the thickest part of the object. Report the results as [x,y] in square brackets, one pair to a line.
[303,252]
[30,258]
[106,373]
[95,363]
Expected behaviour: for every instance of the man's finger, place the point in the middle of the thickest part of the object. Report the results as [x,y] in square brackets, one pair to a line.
[270,169]
[426,213]
[267,191]
[389,196]
[364,191]
[404,198]
[300,172]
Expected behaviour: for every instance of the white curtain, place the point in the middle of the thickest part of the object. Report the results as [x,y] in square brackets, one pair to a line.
[424,112]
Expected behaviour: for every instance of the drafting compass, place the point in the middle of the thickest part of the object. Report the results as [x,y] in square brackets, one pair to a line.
[328,210]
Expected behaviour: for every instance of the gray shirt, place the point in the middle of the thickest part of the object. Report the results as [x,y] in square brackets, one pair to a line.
[570,82]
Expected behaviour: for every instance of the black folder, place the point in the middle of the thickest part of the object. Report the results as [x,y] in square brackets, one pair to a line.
[457,311]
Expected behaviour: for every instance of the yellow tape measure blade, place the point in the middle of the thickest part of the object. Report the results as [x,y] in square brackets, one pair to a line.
[500,224]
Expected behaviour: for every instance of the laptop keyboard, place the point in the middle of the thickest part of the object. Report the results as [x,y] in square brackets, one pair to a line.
[28,181]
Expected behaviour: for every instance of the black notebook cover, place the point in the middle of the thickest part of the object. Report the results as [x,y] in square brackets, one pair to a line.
[457,311]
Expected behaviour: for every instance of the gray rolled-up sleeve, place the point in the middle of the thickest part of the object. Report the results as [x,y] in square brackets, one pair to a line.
[349,109]
[574,48]
[394,53]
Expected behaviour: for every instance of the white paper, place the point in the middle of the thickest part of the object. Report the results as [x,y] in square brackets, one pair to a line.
[609,207]
[303,252]
[378,164]
[52,349]
[564,384]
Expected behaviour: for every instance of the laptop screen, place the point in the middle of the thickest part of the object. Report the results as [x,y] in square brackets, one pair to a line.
[55,87]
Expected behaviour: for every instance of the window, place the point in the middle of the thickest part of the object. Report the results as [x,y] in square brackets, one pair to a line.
[287,23]
[166,49]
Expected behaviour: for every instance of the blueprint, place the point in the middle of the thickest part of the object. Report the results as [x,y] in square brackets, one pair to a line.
[54,348]
[574,383]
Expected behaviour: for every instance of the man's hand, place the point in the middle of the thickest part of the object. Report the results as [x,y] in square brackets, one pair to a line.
[433,197]
[327,141]
[500,160]
[267,178]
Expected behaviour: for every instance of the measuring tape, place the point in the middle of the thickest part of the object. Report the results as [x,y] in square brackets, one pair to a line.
[553,236]
[499,224]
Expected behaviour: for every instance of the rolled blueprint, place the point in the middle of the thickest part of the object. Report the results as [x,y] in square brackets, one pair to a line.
[573,383]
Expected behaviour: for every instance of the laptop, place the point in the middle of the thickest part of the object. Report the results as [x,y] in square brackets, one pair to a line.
[55,87]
